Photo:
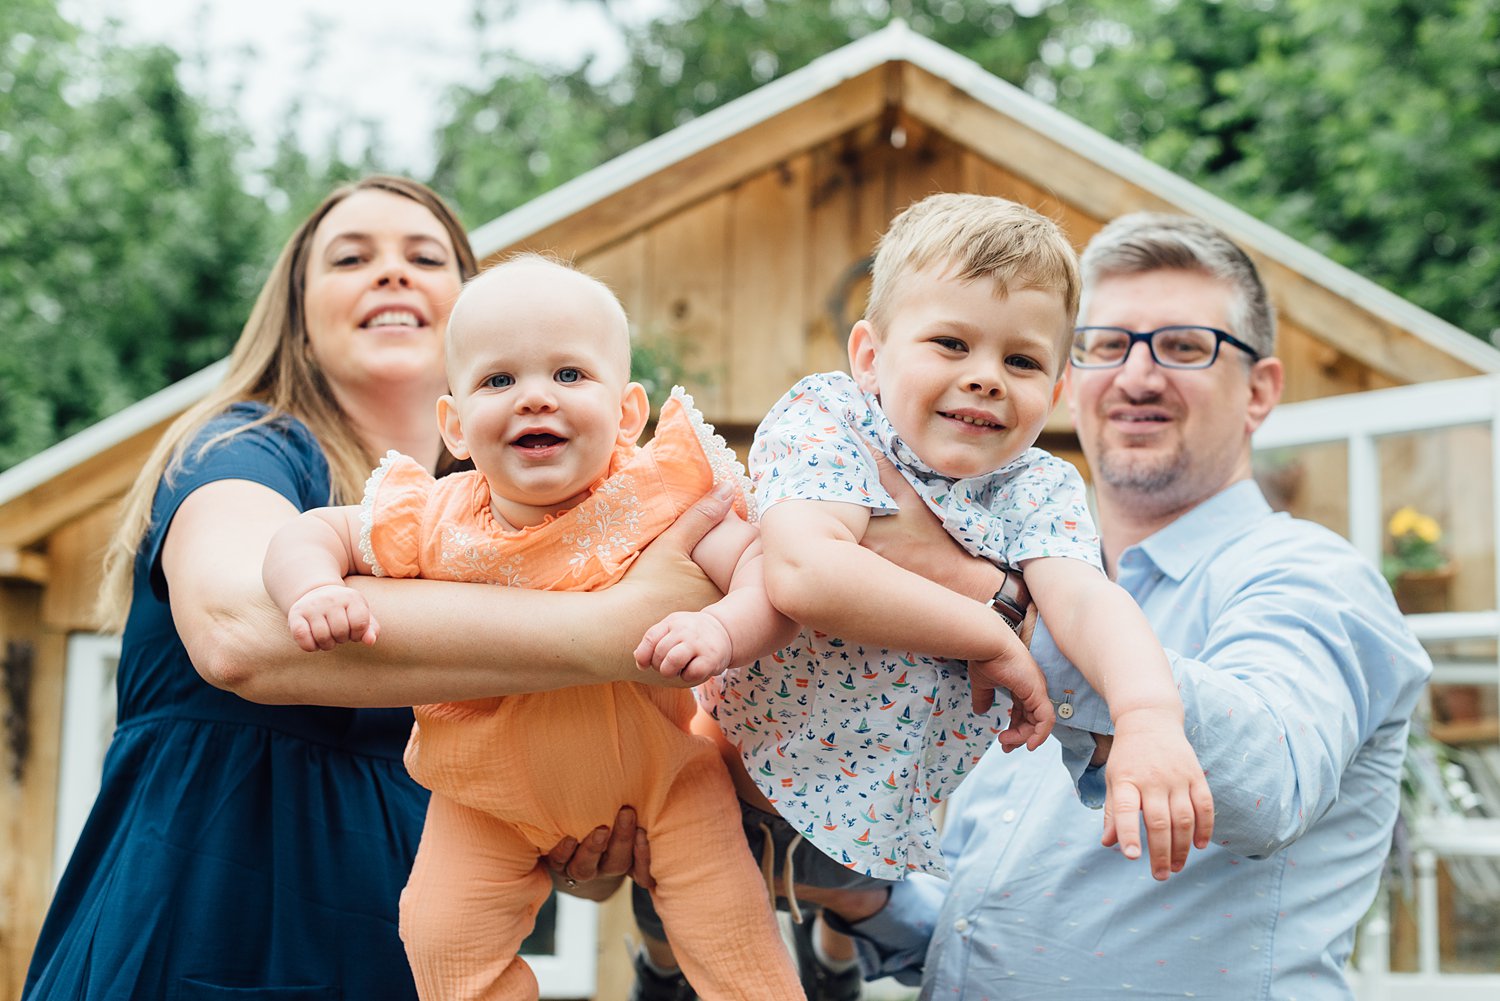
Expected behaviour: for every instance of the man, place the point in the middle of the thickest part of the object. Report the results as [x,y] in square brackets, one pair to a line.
[1297,675]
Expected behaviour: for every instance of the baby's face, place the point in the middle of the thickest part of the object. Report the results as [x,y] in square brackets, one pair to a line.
[539,367]
[967,378]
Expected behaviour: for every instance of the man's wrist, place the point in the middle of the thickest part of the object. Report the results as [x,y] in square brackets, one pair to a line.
[979,579]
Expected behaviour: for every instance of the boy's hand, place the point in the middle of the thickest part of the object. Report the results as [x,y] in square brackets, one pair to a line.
[693,644]
[329,615]
[1031,713]
[1154,775]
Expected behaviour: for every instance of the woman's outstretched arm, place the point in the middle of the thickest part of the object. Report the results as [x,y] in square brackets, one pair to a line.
[439,642]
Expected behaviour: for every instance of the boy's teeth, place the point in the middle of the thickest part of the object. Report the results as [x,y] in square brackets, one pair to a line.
[975,420]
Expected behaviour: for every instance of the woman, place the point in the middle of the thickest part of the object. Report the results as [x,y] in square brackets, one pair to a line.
[249,840]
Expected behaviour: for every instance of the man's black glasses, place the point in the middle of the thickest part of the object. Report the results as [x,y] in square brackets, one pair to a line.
[1170,347]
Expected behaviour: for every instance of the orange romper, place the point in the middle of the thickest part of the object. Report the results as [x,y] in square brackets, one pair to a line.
[512,776]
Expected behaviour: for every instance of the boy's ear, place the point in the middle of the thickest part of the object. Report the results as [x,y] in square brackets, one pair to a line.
[1057,387]
[862,353]
[451,428]
[635,410]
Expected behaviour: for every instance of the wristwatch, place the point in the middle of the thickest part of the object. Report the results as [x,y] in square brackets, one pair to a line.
[1012,599]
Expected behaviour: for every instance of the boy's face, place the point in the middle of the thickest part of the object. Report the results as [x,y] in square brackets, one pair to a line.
[539,370]
[967,378]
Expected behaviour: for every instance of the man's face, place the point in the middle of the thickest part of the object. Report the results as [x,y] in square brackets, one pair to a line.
[1163,440]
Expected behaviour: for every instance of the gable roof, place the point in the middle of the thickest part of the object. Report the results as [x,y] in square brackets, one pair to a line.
[824,99]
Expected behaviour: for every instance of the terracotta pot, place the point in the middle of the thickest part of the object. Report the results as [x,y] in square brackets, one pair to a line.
[1420,592]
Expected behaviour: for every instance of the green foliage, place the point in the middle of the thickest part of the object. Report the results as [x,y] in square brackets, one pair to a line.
[130,261]
[1369,129]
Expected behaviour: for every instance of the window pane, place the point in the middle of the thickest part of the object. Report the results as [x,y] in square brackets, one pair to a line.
[1308,481]
[1438,505]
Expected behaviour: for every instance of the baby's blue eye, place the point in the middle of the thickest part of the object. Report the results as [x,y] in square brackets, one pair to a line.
[951,343]
[566,375]
[1021,361]
[499,380]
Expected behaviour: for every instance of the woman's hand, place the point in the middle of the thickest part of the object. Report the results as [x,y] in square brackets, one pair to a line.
[665,579]
[594,867]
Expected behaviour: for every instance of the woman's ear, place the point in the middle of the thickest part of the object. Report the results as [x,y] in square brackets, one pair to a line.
[863,351]
[635,410]
[451,427]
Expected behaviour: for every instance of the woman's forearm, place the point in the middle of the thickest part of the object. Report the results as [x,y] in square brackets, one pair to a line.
[439,642]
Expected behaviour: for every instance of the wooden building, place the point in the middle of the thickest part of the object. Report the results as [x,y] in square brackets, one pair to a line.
[738,241]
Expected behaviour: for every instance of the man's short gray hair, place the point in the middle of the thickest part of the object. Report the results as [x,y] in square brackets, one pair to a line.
[1157,241]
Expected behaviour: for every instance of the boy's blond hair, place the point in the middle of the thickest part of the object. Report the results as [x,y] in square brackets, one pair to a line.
[978,236]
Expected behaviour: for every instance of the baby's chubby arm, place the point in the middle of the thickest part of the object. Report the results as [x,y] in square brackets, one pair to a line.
[737,629]
[818,574]
[1152,773]
[304,572]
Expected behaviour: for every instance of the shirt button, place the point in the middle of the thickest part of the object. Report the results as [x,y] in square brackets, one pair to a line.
[1009,816]
[961,925]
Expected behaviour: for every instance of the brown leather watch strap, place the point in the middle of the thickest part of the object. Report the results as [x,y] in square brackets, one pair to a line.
[1012,600]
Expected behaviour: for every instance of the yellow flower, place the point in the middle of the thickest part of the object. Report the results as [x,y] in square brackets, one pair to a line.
[1403,521]
[1426,529]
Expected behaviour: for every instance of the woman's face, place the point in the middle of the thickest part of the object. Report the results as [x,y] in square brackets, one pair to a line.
[382,277]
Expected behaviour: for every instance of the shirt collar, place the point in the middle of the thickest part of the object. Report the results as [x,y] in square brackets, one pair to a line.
[1177,548]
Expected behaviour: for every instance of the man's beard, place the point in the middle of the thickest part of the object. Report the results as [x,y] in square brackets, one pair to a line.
[1141,471]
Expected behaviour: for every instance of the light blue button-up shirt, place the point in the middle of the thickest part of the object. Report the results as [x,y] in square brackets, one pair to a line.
[1298,677]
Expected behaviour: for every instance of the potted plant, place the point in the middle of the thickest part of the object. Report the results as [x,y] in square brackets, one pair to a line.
[1416,566]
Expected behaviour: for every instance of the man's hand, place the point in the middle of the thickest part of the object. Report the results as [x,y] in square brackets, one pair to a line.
[1153,775]
[594,867]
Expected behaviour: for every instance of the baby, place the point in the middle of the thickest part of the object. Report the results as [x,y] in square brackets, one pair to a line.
[561,498]
[850,734]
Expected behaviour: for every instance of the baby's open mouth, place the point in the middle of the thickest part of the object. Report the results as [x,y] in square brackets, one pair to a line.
[538,441]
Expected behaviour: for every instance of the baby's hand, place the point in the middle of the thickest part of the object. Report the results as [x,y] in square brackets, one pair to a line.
[693,644]
[1153,774]
[329,615]
[1031,713]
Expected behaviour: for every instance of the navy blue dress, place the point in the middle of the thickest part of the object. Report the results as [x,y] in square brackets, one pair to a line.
[235,850]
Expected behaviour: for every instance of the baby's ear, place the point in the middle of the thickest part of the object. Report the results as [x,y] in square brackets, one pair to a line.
[635,410]
[862,353]
[451,427]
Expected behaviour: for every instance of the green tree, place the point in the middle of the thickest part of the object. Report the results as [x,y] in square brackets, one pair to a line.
[136,248]
[530,128]
[1368,129]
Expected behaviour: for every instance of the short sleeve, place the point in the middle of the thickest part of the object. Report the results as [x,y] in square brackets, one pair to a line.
[810,447]
[279,453]
[391,516]
[1046,508]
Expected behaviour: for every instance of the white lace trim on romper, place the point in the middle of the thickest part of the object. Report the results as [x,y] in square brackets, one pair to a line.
[367,511]
[722,461]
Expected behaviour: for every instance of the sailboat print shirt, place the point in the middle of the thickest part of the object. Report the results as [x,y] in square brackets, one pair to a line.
[855,746]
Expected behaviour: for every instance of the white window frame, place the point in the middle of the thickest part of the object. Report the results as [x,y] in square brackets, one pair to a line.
[1358,421]
[87,725]
[87,722]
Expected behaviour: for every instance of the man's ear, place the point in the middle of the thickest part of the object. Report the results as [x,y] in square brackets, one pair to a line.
[863,351]
[635,410]
[1266,378]
[451,428]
